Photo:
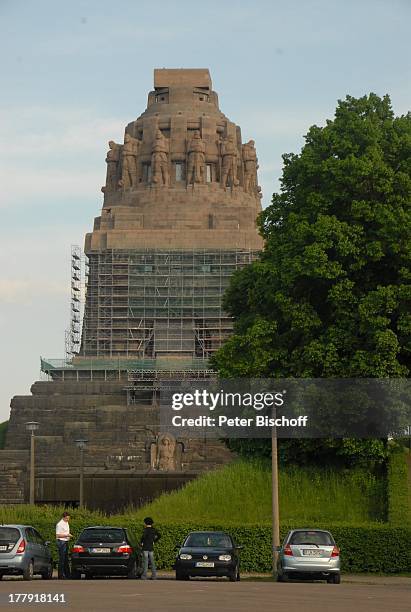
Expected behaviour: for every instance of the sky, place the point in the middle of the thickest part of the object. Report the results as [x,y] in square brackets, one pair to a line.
[72,75]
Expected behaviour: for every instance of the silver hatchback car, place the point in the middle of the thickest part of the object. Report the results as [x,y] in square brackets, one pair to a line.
[23,551]
[309,553]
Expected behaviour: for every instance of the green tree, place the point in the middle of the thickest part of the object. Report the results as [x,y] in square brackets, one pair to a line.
[330,294]
[3,433]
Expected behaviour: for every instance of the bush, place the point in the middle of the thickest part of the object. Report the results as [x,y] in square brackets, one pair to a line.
[369,547]
[44,518]
[398,491]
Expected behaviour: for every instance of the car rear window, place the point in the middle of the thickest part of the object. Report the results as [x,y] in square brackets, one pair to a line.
[204,540]
[9,534]
[312,537]
[102,535]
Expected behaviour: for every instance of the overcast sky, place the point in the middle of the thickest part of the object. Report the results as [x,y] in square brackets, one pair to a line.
[73,74]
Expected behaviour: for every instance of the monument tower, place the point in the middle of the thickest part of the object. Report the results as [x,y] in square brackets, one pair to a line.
[180,202]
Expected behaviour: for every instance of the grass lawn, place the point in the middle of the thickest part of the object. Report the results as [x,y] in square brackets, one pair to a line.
[241,493]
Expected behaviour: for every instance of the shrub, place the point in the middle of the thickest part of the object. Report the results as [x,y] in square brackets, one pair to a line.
[398,492]
[368,548]
[371,547]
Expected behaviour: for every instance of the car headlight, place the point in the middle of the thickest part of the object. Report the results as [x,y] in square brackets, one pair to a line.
[185,556]
[224,557]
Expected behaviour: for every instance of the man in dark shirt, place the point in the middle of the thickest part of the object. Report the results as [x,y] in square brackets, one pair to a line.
[149,537]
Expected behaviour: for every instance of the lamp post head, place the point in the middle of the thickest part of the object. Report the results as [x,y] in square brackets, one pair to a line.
[81,443]
[32,426]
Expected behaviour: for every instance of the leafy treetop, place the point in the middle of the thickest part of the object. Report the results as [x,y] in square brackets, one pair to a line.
[330,295]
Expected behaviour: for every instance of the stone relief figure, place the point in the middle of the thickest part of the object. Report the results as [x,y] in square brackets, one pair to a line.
[250,166]
[113,166]
[129,162]
[159,160]
[164,453]
[229,162]
[196,160]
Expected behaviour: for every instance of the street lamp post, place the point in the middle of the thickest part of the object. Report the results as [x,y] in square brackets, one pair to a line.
[32,426]
[275,504]
[81,444]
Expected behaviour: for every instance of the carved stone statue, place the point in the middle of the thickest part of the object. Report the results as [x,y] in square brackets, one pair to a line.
[164,453]
[129,162]
[250,166]
[196,160]
[113,166]
[229,162]
[159,160]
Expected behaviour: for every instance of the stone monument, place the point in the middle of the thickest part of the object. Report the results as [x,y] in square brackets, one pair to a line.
[180,203]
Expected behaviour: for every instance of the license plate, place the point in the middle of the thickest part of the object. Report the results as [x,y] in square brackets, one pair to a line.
[312,553]
[100,550]
[3,547]
[204,564]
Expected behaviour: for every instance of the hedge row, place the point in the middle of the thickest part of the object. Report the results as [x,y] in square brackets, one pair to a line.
[371,548]
[364,548]
[398,493]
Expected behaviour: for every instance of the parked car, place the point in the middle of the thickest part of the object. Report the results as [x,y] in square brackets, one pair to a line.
[309,553]
[106,551]
[23,551]
[208,553]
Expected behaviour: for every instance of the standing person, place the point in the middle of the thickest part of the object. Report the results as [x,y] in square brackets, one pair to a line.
[149,537]
[63,536]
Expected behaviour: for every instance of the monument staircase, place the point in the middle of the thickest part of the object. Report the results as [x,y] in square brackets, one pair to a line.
[13,476]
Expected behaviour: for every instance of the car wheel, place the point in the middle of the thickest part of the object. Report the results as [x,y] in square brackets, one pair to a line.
[282,577]
[88,576]
[334,579]
[1,576]
[238,574]
[181,575]
[232,575]
[132,572]
[48,574]
[29,571]
[76,575]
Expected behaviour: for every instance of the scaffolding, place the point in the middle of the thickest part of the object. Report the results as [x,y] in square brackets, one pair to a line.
[133,372]
[73,333]
[147,304]
[142,381]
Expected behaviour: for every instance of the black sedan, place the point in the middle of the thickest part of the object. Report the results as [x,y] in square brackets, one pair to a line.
[208,553]
[106,551]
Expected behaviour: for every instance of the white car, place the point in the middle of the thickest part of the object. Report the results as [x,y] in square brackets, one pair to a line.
[309,553]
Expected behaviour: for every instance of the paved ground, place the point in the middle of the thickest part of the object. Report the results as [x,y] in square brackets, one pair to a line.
[163,595]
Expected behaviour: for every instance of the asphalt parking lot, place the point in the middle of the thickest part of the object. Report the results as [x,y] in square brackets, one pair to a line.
[381,594]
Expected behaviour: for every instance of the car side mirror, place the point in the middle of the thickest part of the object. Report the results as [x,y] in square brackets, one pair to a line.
[47,543]
[239,547]
[177,547]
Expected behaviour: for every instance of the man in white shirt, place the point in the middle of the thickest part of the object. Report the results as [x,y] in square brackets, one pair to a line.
[63,536]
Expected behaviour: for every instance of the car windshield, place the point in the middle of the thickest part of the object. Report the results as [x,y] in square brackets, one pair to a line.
[102,535]
[312,537]
[9,534]
[205,540]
